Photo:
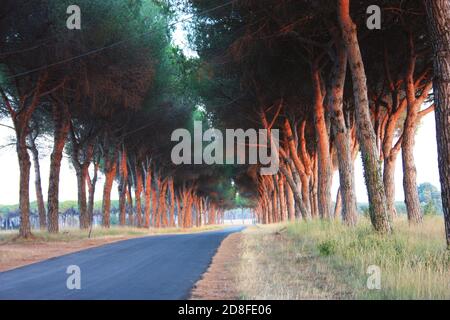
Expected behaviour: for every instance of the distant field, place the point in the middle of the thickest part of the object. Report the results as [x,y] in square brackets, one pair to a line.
[63,206]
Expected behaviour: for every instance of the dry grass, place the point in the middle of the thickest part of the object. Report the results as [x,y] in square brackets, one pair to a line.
[273,266]
[320,260]
[414,261]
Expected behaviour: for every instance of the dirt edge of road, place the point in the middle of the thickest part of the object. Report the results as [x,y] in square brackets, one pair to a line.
[219,282]
[14,256]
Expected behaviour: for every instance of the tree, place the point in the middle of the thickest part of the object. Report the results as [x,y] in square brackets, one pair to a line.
[366,135]
[438,12]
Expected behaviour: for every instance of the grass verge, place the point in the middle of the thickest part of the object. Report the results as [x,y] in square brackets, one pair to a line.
[326,260]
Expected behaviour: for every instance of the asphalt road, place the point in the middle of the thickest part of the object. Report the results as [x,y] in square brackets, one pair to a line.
[155,267]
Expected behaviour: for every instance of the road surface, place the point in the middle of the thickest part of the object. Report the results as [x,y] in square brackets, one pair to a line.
[155,267]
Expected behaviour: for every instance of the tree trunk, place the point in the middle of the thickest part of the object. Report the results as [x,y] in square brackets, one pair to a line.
[154,207]
[438,12]
[298,167]
[38,186]
[129,202]
[110,173]
[323,147]
[24,193]
[122,188]
[282,198]
[410,175]
[61,122]
[82,174]
[389,184]
[314,188]
[91,190]
[138,186]
[148,194]
[412,202]
[390,154]
[365,131]
[172,203]
[347,191]
[298,199]
[162,204]
[290,202]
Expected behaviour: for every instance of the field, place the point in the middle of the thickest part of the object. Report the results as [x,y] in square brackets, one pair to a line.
[320,260]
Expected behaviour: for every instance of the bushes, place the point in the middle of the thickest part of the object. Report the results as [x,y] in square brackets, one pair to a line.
[327,247]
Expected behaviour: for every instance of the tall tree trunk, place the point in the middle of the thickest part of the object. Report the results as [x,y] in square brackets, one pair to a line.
[91,190]
[282,198]
[390,154]
[299,167]
[137,193]
[412,202]
[366,135]
[154,207]
[148,194]
[298,199]
[314,188]
[162,203]
[347,193]
[61,120]
[438,12]
[38,185]
[323,147]
[122,188]
[172,203]
[129,202]
[389,184]
[24,193]
[290,202]
[82,202]
[110,173]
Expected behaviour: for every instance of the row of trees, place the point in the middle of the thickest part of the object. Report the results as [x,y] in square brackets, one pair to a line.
[334,88]
[109,95]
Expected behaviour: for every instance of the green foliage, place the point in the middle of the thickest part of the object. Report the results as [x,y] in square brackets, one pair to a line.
[327,247]
[430,198]
[430,209]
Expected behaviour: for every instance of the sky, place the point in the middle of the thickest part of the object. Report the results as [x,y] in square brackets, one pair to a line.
[425,155]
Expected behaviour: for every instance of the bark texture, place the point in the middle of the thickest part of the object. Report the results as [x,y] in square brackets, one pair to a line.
[438,12]
[365,131]
[347,196]
[61,120]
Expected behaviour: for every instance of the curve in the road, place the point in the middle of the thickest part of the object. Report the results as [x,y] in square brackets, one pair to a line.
[154,267]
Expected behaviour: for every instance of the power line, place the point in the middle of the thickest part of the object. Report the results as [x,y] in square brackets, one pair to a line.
[20,74]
